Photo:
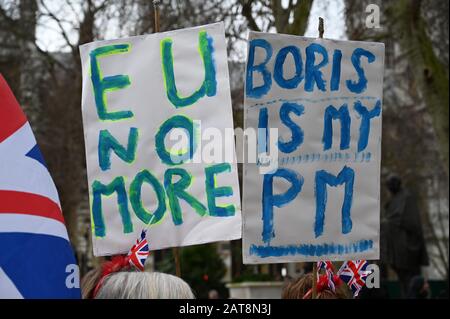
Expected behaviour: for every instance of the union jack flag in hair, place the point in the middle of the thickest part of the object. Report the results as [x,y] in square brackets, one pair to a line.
[329,271]
[36,258]
[139,252]
[136,258]
[354,274]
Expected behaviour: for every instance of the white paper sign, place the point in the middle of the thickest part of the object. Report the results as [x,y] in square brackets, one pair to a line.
[318,197]
[148,104]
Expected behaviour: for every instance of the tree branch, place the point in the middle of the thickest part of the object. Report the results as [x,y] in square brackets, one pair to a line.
[247,13]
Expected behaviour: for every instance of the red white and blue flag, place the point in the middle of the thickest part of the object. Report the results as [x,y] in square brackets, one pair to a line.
[329,270]
[326,265]
[354,274]
[36,259]
[139,252]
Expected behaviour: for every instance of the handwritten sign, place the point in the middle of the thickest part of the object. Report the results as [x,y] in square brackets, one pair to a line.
[146,102]
[318,198]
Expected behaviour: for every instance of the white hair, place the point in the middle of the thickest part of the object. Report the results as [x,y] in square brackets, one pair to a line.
[144,285]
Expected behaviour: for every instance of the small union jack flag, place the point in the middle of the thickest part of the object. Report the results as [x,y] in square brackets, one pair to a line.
[329,270]
[139,252]
[327,265]
[354,274]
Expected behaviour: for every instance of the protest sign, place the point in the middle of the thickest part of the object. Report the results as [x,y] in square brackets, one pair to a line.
[148,104]
[313,194]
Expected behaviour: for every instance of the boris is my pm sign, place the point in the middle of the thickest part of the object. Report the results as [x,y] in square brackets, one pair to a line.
[313,194]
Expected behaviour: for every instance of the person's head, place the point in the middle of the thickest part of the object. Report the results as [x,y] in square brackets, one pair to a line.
[394,184]
[418,288]
[302,286]
[89,282]
[143,285]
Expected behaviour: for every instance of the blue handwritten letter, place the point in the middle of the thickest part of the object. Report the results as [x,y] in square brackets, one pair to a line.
[323,178]
[279,200]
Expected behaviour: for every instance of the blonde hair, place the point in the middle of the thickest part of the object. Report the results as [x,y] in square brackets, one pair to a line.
[144,285]
[298,288]
[89,282]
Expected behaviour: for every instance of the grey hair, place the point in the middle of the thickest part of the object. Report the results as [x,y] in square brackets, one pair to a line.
[144,285]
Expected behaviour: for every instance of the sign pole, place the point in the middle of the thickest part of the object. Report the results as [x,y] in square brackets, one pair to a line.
[314,285]
[321,28]
[156,4]
[175,250]
[176,255]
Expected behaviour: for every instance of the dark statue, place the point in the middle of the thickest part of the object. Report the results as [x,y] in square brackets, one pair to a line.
[404,245]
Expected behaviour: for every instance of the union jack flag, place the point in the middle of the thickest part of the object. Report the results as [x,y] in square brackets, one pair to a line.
[36,259]
[139,252]
[354,274]
[329,270]
[327,265]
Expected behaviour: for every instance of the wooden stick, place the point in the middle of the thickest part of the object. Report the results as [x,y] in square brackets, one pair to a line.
[156,4]
[314,286]
[321,28]
[176,255]
[175,250]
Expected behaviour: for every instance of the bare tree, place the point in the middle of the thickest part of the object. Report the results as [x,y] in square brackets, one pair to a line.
[415,106]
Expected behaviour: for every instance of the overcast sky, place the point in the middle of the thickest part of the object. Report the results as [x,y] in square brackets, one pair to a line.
[334,19]
[49,36]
